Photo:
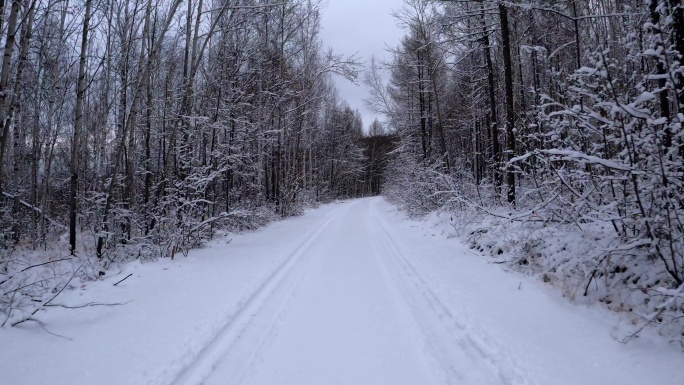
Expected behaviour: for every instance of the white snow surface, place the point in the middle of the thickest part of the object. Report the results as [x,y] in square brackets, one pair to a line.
[350,293]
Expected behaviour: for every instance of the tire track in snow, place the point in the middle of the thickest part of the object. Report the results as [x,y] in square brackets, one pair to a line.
[281,282]
[464,351]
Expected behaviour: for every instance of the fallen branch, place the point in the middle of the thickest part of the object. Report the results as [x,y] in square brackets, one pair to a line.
[47,303]
[123,279]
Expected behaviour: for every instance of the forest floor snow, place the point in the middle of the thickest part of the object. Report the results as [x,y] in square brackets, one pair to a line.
[350,293]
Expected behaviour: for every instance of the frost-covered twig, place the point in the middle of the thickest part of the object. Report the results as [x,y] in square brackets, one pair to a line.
[45,304]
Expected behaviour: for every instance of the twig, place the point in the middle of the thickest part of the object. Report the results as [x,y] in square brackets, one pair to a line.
[496,262]
[42,326]
[128,276]
[643,326]
[9,311]
[48,262]
[593,274]
[27,285]
[63,287]
[36,310]
[89,304]
[661,308]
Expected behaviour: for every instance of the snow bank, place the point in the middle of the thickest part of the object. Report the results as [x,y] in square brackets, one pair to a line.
[588,264]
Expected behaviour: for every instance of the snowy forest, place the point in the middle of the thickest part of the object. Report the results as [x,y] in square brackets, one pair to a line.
[140,129]
[553,130]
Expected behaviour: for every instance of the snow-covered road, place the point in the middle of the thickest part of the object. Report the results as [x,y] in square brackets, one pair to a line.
[346,294]
[331,314]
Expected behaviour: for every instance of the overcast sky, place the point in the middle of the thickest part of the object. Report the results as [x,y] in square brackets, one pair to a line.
[363,26]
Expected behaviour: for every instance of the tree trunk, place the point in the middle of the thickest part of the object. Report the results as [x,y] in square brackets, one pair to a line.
[663,97]
[14,112]
[4,80]
[78,124]
[678,37]
[494,126]
[440,121]
[510,112]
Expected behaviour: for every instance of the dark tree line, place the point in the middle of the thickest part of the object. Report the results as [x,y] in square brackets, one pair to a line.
[165,117]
